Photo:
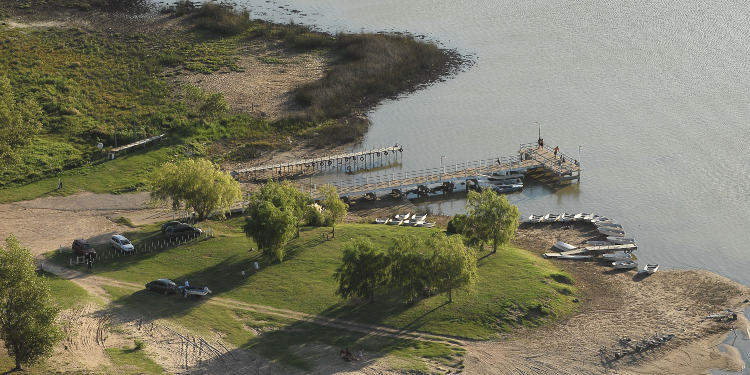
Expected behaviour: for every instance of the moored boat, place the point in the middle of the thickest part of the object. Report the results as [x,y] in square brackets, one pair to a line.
[562,246]
[604,224]
[617,256]
[549,218]
[583,217]
[574,257]
[382,220]
[625,264]
[611,232]
[650,268]
[565,218]
[620,240]
[402,217]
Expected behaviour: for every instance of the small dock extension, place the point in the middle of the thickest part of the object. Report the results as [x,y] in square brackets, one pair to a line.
[348,162]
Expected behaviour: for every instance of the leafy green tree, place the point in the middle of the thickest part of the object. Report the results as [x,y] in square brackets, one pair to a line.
[195,183]
[334,208]
[27,314]
[453,265]
[409,267]
[19,120]
[274,215]
[363,269]
[491,217]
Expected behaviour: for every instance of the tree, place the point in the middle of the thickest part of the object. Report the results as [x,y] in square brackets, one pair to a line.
[362,270]
[274,215]
[27,314]
[491,217]
[198,184]
[453,265]
[334,208]
[409,267]
[19,120]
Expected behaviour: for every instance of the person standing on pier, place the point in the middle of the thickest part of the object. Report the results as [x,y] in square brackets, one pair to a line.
[540,142]
[556,151]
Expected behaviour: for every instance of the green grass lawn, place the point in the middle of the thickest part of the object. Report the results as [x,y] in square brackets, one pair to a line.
[129,361]
[65,293]
[515,287]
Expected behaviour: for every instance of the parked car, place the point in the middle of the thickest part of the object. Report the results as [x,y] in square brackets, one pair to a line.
[183,230]
[121,244]
[168,225]
[164,286]
[82,247]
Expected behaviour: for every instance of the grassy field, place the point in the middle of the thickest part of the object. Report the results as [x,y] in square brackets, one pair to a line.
[130,361]
[93,84]
[67,294]
[515,288]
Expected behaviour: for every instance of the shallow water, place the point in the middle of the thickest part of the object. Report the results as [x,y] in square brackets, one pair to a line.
[655,92]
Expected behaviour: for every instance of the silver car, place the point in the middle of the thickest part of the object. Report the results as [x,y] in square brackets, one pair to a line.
[121,244]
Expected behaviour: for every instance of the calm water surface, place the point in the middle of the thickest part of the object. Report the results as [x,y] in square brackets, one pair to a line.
[656,92]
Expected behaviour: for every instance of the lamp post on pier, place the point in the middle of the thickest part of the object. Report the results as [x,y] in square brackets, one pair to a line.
[442,168]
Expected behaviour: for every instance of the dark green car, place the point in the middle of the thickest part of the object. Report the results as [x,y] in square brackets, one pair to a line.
[164,286]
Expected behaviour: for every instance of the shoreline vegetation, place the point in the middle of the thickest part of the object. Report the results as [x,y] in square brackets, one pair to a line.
[93,75]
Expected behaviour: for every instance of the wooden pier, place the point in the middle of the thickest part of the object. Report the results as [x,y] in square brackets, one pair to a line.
[539,163]
[349,163]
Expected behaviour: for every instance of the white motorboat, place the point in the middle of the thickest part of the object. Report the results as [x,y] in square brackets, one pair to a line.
[625,264]
[382,221]
[620,240]
[598,218]
[611,232]
[419,217]
[583,217]
[617,256]
[549,218]
[562,246]
[650,268]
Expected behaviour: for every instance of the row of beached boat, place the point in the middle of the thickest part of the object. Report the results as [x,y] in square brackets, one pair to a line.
[408,219]
[621,258]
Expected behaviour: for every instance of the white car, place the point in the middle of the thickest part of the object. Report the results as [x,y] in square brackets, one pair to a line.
[121,244]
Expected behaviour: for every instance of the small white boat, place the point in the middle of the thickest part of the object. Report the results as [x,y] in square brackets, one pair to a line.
[549,218]
[535,218]
[583,217]
[402,217]
[598,218]
[620,240]
[425,225]
[612,232]
[565,218]
[650,268]
[382,221]
[419,217]
[574,257]
[562,246]
[625,264]
[619,255]
[604,224]
[395,222]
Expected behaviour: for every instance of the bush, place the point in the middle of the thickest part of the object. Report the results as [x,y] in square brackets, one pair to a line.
[221,19]
[314,217]
[456,225]
[562,278]
[139,344]
[338,131]
[122,220]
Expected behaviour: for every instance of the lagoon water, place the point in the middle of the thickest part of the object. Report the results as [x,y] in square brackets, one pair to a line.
[655,92]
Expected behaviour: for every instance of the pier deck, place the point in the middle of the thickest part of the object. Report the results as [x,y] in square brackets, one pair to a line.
[538,162]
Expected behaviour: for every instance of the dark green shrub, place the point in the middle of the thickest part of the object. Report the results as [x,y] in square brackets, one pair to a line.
[456,225]
[221,19]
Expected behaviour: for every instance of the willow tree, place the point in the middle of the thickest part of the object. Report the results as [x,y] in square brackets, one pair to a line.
[453,265]
[274,215]
[362,269]
[27,314]
[492,218]
[334,208]
[195,183]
